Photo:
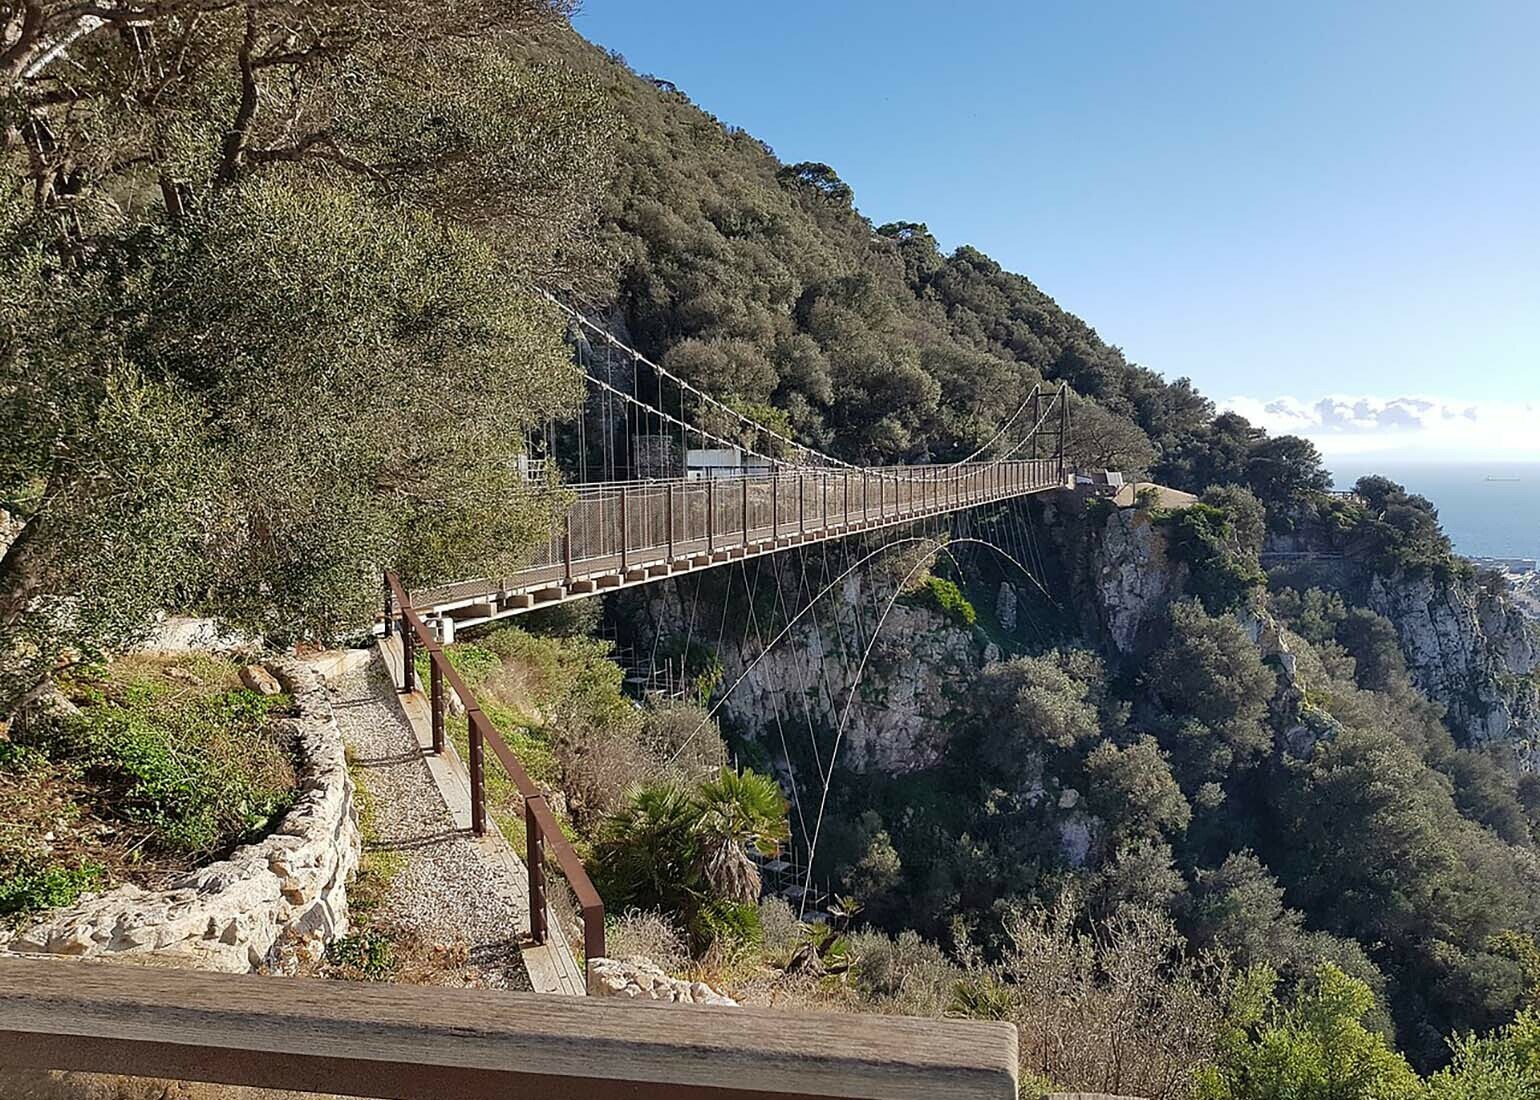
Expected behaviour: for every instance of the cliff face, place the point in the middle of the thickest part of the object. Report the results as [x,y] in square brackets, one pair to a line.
[900,720]
[1132,579]
[1467,642]
[1469,647]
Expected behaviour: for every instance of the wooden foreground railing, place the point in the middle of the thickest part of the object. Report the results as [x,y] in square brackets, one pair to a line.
[420,1043]
[541,830]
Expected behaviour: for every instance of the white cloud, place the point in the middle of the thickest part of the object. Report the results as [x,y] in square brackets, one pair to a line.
[1407,427]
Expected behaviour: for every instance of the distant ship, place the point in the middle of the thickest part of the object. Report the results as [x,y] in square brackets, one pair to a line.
[1494,477]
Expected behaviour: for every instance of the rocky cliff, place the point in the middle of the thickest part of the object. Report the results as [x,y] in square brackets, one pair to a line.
[899,723]
[1469,647]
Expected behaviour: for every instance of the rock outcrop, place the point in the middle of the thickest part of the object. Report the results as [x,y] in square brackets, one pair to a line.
[228,915]
[900,721]
[638,978]
[1469,647]
[1133,580]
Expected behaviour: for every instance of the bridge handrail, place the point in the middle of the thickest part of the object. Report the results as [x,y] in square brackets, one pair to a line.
[540,826]
[616,528]
[407,1042]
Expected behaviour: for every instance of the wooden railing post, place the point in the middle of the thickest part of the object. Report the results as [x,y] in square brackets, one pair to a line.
[473,720]
[534,841]
[436,697]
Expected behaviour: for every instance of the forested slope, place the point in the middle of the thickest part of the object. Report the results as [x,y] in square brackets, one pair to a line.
[1291,801]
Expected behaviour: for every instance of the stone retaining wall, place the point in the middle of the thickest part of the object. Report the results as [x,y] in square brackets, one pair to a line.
[228,915]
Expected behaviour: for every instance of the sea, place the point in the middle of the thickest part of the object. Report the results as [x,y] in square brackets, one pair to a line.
[1488,509]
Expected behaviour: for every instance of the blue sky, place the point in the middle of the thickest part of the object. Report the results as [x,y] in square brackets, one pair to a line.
[1327,212]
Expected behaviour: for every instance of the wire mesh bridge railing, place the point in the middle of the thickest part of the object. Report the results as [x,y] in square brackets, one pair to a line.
[620,533]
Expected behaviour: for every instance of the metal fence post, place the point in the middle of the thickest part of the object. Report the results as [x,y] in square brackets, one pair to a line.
[408,656]
[745,510]
[390,603]
[473,720]
[711,512]
[1063,428]
[775,507]
[436,698]
[668,515]
[566,547]
[534,841]
[625,534]
[801,505]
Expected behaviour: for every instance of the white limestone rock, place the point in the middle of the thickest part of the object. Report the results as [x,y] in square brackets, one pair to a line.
[639,978]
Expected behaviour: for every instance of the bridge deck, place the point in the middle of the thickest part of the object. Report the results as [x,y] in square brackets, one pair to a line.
[628,533]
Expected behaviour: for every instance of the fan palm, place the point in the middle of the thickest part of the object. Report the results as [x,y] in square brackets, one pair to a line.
[647,850]
[736,811]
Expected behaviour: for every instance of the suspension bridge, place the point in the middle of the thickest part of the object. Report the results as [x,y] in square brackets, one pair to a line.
[651,477]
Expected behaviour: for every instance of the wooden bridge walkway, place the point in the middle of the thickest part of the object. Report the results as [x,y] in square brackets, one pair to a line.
[619,534]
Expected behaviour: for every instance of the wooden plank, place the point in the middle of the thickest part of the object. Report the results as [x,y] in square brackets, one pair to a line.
[421,1043]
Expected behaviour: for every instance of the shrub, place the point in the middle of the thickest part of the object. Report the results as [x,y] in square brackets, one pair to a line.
[363,956]
[681,850]
[727,930]
[202,765]
[205,773]
[650,935]
[1224,569]
[947,598]
[31,889]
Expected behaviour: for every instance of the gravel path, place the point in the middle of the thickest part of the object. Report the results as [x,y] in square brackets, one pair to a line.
[446,892]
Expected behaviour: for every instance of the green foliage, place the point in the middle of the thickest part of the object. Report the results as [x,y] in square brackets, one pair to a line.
[1132,788]
[1214,688]
[1281,472]
[1225,570]
[729,930]
[29,889]
[1054,699]
[1504,1065]
[947,598]
[680,850]
[1391,529]
[271,347]
[203,769]
[362,956]
[1317,1048]
[697,664]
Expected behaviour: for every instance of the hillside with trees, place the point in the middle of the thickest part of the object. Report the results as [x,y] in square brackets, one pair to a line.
[270,322]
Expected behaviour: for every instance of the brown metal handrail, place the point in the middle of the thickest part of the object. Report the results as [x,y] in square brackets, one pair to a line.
[540,826]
